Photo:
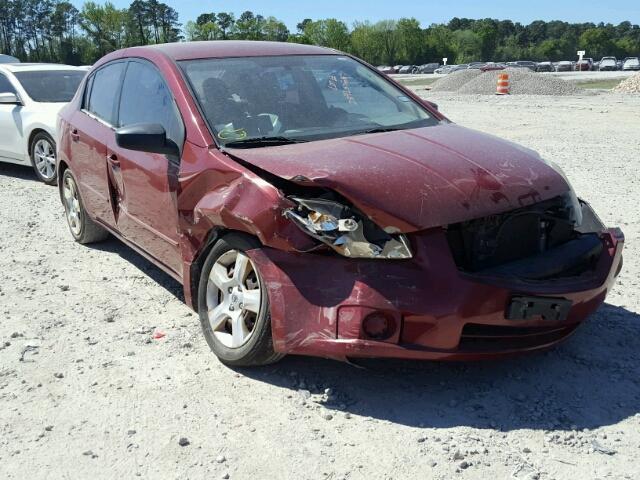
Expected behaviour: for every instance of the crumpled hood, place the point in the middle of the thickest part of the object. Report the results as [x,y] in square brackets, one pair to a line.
[411,180]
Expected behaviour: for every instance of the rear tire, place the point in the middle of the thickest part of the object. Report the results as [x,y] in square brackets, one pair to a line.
[233,305]
[83,229]
[42,152]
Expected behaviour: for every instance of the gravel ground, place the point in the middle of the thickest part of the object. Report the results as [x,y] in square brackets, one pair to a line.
[89,387]
[571,76]
[455,80]
[521,82]
[630,85]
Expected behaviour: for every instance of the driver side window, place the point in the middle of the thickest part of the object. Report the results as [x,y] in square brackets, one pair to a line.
[146,98]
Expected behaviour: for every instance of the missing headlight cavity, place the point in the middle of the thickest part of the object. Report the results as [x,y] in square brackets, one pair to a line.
[498,239]
[345,230]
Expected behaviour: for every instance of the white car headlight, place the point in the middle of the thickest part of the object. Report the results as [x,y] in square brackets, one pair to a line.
[346,232]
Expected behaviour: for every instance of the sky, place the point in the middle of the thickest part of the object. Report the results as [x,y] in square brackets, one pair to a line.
[426,11]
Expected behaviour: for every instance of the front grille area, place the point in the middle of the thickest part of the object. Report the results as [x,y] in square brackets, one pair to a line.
[498,239]
[556,238]
[496,338]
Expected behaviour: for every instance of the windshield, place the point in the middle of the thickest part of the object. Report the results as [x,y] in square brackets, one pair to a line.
[50,86]
[297,98]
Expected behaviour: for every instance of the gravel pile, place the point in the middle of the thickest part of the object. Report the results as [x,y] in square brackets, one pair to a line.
[630,85]
[522,82]
[455,80]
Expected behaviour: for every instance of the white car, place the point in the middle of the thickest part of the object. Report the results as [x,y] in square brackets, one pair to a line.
[31,95]
[631,63]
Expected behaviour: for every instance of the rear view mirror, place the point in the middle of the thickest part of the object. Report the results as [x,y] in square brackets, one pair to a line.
[9,99]
[146,137]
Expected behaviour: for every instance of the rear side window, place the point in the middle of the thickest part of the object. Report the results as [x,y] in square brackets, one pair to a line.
[104,89]
[145,98]
[51,86]
[5,85]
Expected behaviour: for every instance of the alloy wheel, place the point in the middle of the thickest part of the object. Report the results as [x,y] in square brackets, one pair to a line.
[233,298]
[45,158]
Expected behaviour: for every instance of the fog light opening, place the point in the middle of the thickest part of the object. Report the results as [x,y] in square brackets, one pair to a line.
[378,326]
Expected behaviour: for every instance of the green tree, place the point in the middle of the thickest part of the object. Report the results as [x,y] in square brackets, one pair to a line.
[439,44]
[328,33]
[104,25]
[364,42]
[387,38]
[274,30]
[467,46]
[411,40]
[596,42]
[226,22]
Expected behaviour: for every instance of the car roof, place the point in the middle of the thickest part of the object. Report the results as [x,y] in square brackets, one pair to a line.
[232,48]
[35,67]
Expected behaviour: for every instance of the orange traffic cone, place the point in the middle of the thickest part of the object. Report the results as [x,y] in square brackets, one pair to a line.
[503,84]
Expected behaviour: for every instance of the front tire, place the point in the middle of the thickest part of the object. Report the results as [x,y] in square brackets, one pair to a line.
[83,229]
[233,305]
[43,157]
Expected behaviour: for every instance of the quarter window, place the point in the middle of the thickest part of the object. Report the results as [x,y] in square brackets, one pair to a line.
[104,90]
[146,98]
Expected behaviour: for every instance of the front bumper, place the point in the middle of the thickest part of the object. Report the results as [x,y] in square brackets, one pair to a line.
[318,303]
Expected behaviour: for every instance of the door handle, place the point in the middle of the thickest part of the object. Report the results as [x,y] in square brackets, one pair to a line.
[74,135]
[113,160]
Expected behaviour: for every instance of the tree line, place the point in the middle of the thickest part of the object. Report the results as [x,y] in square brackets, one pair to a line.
[56,31]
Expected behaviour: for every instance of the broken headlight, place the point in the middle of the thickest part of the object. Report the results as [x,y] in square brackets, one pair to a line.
[572,203]
[345,231]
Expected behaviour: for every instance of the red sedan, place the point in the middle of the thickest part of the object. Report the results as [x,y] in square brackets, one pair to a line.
[310,205]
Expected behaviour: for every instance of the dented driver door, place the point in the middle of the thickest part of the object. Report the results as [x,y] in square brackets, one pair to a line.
[147,212]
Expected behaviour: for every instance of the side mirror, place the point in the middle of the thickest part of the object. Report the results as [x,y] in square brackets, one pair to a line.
[9,99]
[146,137]
[431,104]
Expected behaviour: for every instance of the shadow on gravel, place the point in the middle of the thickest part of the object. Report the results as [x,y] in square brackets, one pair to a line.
[23,172]
[591,380]
[156,274]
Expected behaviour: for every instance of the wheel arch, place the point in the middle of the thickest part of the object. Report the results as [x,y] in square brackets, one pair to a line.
[61,166]
[34,131]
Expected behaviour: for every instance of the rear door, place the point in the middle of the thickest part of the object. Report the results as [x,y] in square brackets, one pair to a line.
[91,129]
[147,213]
[10,131]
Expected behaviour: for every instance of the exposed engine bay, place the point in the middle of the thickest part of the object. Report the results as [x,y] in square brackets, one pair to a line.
[556,237]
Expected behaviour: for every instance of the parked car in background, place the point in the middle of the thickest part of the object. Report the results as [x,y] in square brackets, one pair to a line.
[596,66]
[583,65]
[462,66]
[31,95]
[545,67]
[523,64]
[289,212]
[408,69]
[428,68]
[631,63]
[564,66]
[444,69]
[397,68]
[608,64]
[490,66]
[475,65]
[8,59]
[386,69]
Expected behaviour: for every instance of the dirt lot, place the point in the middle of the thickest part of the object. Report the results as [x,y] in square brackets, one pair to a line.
[87,392]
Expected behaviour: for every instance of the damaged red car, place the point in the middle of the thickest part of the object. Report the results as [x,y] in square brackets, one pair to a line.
[310,205]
